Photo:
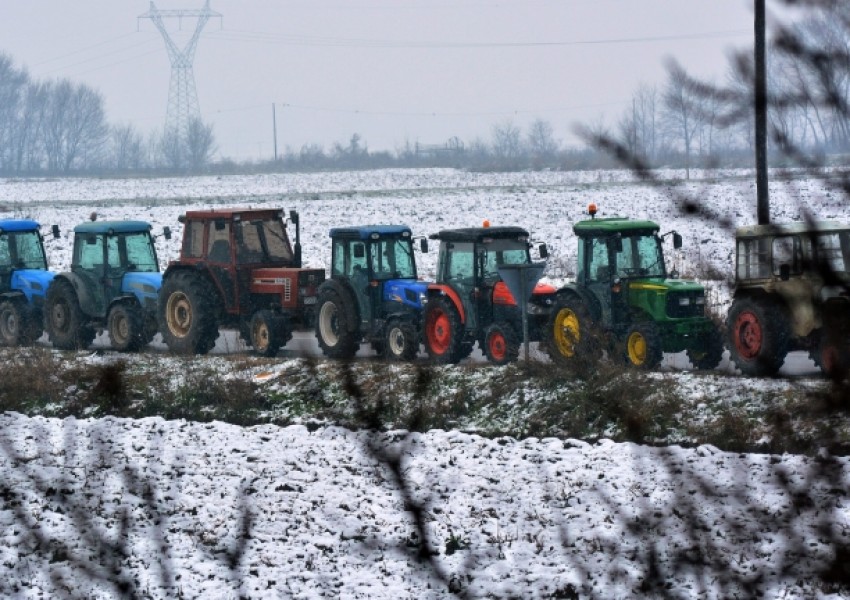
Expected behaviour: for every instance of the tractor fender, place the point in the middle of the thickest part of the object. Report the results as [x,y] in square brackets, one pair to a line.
[33,283]
[84,293]
[349,301]
[439,289]
[584,296]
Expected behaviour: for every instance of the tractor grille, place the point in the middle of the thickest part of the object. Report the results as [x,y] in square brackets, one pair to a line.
[681,305]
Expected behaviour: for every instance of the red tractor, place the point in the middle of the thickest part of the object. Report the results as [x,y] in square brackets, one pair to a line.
[237,269]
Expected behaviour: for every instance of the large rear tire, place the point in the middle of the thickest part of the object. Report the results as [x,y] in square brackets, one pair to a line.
[337,337]
[126,328]
[758,337]
[443,331]
[66,323]
[187,312]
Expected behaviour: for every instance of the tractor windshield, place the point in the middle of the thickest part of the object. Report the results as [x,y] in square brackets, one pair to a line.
[263,241]
[833,248]
[503,252]
[21,250]
[392,258]
[131,252]
[641,256]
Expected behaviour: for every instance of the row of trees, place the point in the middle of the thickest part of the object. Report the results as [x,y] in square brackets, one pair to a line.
[61,127]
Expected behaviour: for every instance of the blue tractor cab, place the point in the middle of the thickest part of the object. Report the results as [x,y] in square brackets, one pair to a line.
[113,284]
[373,293]
[24,279]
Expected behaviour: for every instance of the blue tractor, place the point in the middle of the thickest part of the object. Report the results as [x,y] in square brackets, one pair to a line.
[24,279]
[373,294]
[113,284]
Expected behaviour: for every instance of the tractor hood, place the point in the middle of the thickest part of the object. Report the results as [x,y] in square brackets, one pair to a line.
[145,286]
[32,282]
[407,291]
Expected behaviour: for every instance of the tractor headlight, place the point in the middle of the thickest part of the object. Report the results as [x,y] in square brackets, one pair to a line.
[423,298]
[700,300]
[684,301]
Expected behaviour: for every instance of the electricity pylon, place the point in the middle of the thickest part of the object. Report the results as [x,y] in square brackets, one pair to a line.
[183,105]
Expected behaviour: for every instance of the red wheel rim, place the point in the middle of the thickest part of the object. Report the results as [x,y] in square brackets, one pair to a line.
[748,335]
[498,346]
[439,331]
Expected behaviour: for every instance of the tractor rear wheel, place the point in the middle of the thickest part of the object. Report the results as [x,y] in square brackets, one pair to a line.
[400,342]
[126,328]
[187,312]
[642,346]
[569,336]
[66,323]
[17,328]
[709,353]
[443,331]
[758,337]
[337,337]
[268,332]
[501,344]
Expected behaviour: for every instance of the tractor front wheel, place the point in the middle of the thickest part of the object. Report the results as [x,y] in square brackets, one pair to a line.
[187,313]
[501,345]
[126,328]
[569,335]
[758,337]
[268,332]
[443,331]
[16,327]
[832,355]
[642,346]
[710,351]
[333,330]
[65,320]
[401,342]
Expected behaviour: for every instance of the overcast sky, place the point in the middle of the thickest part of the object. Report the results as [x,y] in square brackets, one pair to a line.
[393,71]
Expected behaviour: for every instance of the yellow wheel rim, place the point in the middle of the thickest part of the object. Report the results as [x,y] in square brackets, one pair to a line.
[567,332]
[636,345]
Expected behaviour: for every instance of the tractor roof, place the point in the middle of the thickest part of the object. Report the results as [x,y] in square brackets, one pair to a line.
[798,227]
[479,234]
[609,226]
[18,225]
[365,232]
[110,227]
[229,214]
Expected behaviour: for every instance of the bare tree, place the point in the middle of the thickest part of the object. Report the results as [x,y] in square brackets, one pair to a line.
[507,144]
[75,125]
[200,144]
[13,85]
[126,148]
[680,112]
[541,143]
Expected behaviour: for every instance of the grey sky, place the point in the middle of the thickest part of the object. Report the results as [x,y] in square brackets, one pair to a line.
[394,71]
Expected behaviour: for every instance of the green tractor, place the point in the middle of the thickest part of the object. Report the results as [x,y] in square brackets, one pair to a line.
[792,292]
[113,284]
[625,302]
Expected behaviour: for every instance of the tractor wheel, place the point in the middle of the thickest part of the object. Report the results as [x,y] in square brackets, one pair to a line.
[443,331]
[66,323]
[501,345]
[465,350]
[16,326]
[758,337]
[401,342]
[642,346]
[187,313]
[333,330]
[268,332]
[569,335]
[832,356]
[126,328]
[710,351]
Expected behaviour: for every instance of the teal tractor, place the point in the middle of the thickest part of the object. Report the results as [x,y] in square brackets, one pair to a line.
[113,285]
[625,301]
[373,294]
[24,279]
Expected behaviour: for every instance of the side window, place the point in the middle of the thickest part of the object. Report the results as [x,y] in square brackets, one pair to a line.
[193,240]
[29,250]
[5,258]
[461,264]
[754,258]
[140,253]
[218,245]
[89,250]
[599,267]
[357,265]
[338,266]
[787,250]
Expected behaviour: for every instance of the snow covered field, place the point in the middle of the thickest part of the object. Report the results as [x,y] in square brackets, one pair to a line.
[164,500]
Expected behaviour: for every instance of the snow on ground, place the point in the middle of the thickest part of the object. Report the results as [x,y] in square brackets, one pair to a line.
[531,518]
[505,518]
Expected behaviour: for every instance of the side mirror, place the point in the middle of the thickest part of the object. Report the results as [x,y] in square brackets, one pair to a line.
[543,250]
[55,231]
[166,231]
[293,216]
[423,245]
[677,240]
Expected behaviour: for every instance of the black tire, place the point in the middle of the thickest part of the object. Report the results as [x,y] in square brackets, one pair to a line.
[570,337]
[642,347]
[17,327]
[126,328]
[758,337]
[400,342]
[66,324]
[832,355]
[710,352]
[443,331]
[501,343]
[337,337]
[268,332]
[187,312]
